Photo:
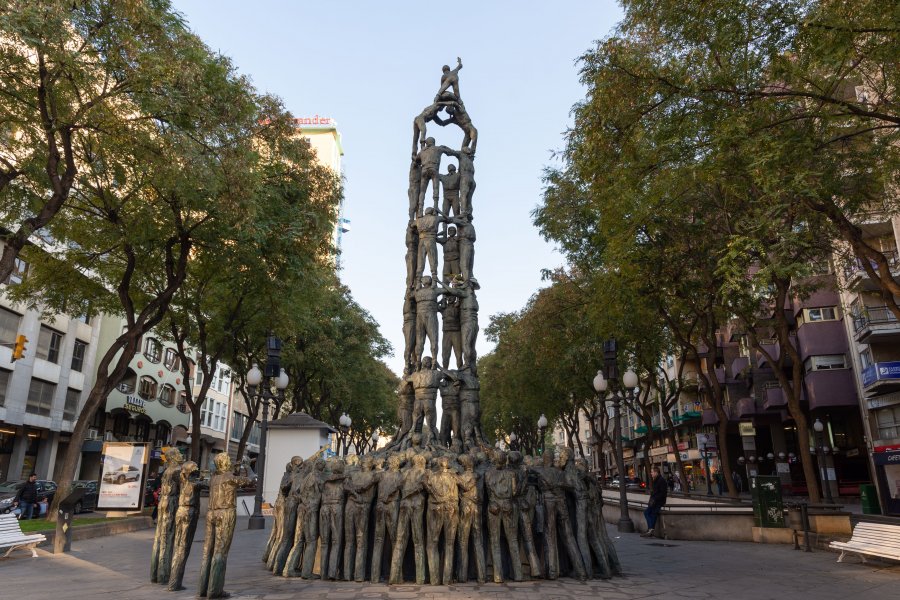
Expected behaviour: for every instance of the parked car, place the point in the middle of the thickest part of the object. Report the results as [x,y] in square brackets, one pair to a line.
[88,502]
[8,490]
[633,484]
[122,474]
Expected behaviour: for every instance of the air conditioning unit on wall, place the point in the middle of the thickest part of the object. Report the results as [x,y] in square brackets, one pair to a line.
[93,434]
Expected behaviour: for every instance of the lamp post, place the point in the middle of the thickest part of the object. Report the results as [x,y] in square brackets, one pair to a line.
[601,384]
[512,441]
[819,427]
[374,439]
[708,474]
[345,422]
[542,425]
[264,393]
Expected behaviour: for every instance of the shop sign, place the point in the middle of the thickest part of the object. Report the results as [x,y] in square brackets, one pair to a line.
[135,404]
[705,439]
[659,450]
[124,472]
[627,453]
[886,457]
[881,371]
[746,429]
[889,448]
[683,445]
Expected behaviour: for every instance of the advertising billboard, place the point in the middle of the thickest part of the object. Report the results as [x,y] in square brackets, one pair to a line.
[124,473]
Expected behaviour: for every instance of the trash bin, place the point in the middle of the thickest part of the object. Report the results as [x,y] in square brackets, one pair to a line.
[768,508]
[868,498]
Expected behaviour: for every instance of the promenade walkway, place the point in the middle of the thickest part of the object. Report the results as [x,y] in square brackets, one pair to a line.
[117,567]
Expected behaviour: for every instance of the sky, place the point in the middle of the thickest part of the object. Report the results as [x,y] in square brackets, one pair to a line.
[374,66]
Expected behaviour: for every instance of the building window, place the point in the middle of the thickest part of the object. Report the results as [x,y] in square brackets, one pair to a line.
[17,276]
[162,433]
[825,362]
[78,355]
[167,395]
[813,315]
[171,362]
[49,343]
[182,403]
[888,421]
[121,424]
[147,388]
[40,397]
[238,421]
[153,350]
[865,358]
[4,383]
[70,408]
[9,325]
[212,415]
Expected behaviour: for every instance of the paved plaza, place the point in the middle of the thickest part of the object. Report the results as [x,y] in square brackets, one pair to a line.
[117,567]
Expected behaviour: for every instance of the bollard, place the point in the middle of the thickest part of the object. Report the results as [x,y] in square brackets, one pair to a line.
[804,515]
[63,540]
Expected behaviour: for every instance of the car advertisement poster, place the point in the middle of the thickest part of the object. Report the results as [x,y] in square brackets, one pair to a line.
[124,471]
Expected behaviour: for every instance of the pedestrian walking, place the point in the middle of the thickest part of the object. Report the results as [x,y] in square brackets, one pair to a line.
[738,482]
[155,485]
[27,497]
[658,491]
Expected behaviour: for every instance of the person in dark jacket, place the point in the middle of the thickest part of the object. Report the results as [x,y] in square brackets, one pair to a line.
[658,491]
[27,497]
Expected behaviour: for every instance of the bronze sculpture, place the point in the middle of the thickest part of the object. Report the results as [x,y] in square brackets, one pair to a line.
[288,525]
[331,519]
[186,518]
[412,507]
[360,488]
[425,383]
[220,520]
[526,499]
[470,501]
[284,488]
[161,557]
[450,188]
[553,485]
[443,502]
[387,512]
[501,484]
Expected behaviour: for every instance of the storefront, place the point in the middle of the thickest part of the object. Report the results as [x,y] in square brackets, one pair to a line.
[887,470]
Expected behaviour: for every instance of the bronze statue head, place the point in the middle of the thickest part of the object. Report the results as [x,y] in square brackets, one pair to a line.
[174,457]
[515,458]
[188,469]
[418,461]
[222,462]
[499,459]
[394,461]
[466,461]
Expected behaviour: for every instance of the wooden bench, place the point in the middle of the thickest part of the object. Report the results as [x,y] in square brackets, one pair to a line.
[875,539]
[11,536]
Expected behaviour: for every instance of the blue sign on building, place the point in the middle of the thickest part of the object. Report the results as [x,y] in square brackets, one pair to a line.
[880,372]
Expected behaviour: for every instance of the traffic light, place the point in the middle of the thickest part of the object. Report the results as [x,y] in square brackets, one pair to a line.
[19,348]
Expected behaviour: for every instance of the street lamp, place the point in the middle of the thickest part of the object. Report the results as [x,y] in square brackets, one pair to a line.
[542,425]
[263,392]
[601,384]
[819,427]
[512,440]
[375,440]
[345,422]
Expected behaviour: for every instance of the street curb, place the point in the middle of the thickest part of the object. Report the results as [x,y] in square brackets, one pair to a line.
[112,527]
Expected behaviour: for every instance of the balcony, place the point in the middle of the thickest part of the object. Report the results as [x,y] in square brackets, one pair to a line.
[746,407]
[823,337]
[774,397]
[773,349]
[855,274]
[831,387]
[876,324]
[881,377]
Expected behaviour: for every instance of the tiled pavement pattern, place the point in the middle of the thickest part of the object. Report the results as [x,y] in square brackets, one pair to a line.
[117,567]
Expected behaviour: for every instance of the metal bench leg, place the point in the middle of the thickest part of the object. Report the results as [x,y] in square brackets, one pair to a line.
[862,557]
[841,557]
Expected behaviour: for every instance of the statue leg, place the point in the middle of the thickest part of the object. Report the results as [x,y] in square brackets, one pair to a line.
[350,512]
[494,535]
[584,547]
[550,539]
[478,546]
[224,536]
[445,428]
[463,196]
[423,189]
[469,193]
[511,528]
[311,539]
[462,540]
[337,528]
[182,547]
[421,254]
[165,550]
[208,544]
[569,542]
[604,569]
[325,541]
[432,332]
[362,544]
[525,520]
[432,259]
[451,523]
[421,328]
[446,349]
[289,525]
[276,527]
[435,518]
[292,564]
[154,553]
[454,421]
[456,343]
[399,547]
[435,188]
[612,556]
[418,537]
[472,134]
[378,545]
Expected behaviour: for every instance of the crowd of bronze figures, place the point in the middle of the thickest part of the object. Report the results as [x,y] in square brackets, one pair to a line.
[178,512]
[485,515]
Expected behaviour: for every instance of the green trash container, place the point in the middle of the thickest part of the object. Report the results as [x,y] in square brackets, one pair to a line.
[868,498]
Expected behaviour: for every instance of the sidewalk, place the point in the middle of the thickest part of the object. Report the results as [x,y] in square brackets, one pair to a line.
[117,567]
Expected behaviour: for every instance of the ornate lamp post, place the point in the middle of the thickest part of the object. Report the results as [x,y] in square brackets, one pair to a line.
[542,425]
[601,384]
[512,441]
[821,450]
[264,393]
[374,440]
[345,422]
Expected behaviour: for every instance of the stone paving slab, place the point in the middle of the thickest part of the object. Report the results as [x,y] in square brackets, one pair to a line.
[117,567]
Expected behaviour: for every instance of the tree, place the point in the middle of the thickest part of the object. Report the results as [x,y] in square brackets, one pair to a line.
[78,76]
